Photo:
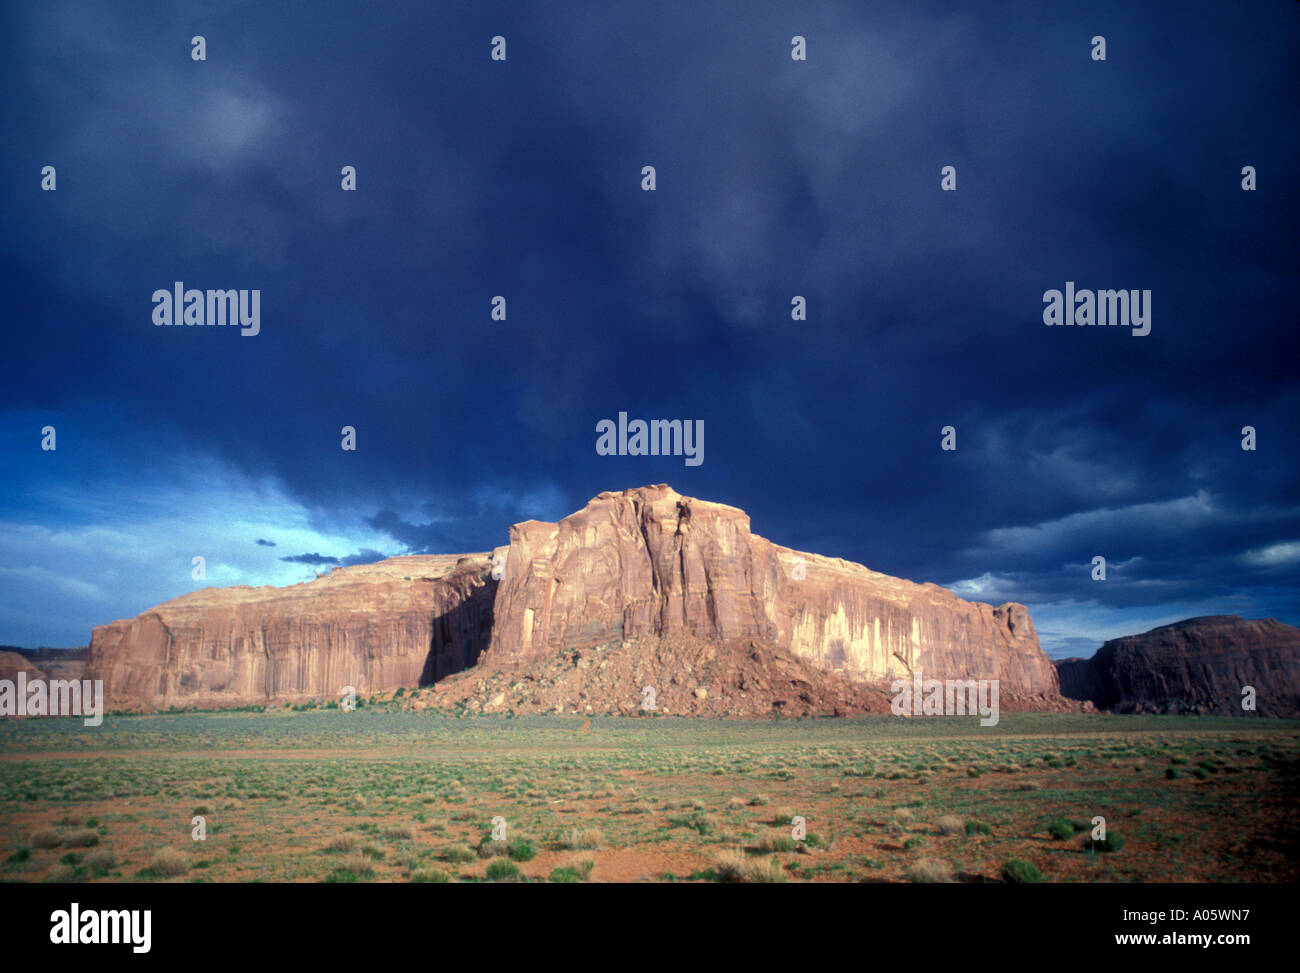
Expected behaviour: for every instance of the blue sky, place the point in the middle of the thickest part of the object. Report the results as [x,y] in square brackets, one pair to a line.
[775,178]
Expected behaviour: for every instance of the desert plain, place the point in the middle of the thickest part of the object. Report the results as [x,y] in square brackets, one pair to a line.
[382,794]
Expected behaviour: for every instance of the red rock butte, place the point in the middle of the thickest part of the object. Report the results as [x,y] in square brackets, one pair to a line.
[1207,665]
[645,563]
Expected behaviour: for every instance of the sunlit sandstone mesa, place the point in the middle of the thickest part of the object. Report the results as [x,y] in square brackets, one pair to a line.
[650,561]
[634,564]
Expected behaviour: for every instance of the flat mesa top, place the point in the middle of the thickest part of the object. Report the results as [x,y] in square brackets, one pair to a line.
[406,568]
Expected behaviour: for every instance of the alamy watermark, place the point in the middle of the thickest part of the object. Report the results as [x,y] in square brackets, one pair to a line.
[1129,309]
[237,308]
[57,697]
[658,437]
[74,925]
[946,697]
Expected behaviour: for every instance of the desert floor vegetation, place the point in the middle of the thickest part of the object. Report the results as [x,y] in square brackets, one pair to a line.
[375,796]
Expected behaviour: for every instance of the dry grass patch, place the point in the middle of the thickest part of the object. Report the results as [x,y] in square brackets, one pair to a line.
[950,824]
[929,871]
[736,866]
[100,861]
[777,841]
[359,864]
[169,862]
[582,839]
[46,838]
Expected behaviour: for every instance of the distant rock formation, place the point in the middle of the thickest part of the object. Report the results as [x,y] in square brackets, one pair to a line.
[11,663]
[1199,665]
[633,566]
[400,622]
[57,663]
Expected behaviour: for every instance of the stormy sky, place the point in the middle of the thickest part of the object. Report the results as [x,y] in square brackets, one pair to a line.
[774,178]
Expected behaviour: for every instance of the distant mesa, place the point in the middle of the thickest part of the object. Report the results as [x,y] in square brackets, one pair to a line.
[12,663]
[1199,665]
[43,663]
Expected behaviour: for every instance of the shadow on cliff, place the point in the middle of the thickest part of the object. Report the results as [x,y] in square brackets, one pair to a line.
[461,633]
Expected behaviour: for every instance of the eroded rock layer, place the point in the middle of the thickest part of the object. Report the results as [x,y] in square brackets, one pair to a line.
[372,627]
[650,562]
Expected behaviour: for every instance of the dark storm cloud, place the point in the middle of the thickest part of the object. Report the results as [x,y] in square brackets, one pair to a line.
[775,178]
[364,556]
[316,560]
[419,538]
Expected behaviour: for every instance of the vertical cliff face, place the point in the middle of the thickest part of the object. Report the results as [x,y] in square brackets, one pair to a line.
[650,562]
[1081,680]
[372,627]
[462,618]
[1199,665]
[643,562]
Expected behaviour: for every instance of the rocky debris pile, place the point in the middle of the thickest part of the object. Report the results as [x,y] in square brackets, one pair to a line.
[669,675]
[686,676]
